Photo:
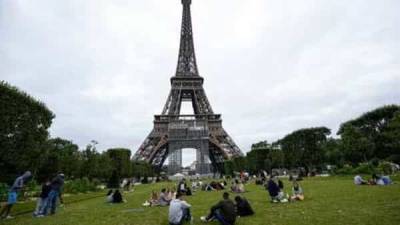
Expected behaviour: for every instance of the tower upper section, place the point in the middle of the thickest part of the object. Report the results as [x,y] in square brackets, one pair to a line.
[187,66]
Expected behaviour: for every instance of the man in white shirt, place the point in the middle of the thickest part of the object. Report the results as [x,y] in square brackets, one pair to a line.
[179,210]
[359,181]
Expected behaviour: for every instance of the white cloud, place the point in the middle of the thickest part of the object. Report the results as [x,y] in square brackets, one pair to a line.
[270,66]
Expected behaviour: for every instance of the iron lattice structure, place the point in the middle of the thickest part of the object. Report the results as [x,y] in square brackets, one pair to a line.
[202,131]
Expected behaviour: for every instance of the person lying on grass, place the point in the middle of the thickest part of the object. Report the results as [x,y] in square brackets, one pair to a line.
[297,192]
[224,211]
[179,210]
[13,194]
[243,207]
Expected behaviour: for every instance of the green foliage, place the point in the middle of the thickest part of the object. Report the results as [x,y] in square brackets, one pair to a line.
[373,134]
[257,156]
[304,147]
[345,170]
[142,169]
[364,168]
[3,191]
[386,168]
[228,168]
[80,186]
[121,164]
[60,155]
[23,131]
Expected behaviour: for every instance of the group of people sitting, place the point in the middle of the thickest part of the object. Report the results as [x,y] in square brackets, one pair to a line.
[162,199]
[225,211]
[214,186]
[275,189]
[167,195]
[375,180]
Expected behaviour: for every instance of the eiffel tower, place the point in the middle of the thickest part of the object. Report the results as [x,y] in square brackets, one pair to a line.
[202,131]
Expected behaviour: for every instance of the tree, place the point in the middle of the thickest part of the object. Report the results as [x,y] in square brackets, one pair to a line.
[371,134]
[257,156]
[333,153]
[277,158]
[304,147]
[239,164]
[121,164]
[23,131]
[142,169]
[60,155]
[391,138]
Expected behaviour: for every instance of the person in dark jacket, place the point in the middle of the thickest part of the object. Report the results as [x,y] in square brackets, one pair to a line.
[13,194]
[42,200]
[224,211]
[182,186]
[117,197]
[275,191]
[56,185]
[243,207]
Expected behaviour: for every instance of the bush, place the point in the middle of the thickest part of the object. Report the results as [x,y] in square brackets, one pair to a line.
[364,168]
[386,167]
[3,192]
[79,186]
[345,170]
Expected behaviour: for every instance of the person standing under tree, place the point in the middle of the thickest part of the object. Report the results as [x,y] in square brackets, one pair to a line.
[56,185]
[13,194]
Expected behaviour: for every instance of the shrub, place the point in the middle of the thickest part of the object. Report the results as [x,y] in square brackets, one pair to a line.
[345,170]
[79,186]
[386,167]
[3,191]
[364,168]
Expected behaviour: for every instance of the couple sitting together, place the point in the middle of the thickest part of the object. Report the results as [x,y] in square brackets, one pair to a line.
[275,190]
[225,211]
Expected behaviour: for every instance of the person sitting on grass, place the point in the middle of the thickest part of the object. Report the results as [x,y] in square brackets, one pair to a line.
[182,186]
[373,180]
[384,180]
[297,192]
[224,211]
[109,196]
[358,180]
[237,187]
[13,194]
[179,210]
[42,200]
[243,207]
[171,193]
[117,197]
[163,200]
[274,191]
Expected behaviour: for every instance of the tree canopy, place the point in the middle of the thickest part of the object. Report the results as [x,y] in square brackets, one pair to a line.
[23,131]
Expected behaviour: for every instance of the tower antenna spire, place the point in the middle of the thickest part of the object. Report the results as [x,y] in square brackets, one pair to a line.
[187,65]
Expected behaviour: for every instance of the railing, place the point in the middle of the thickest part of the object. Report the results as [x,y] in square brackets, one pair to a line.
[198,117]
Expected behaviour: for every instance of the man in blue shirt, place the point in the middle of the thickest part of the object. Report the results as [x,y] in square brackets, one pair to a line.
[13,194]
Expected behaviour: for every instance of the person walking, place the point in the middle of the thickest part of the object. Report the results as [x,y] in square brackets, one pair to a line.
[13,194]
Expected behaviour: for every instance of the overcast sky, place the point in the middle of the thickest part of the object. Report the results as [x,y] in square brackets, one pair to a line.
[270,67]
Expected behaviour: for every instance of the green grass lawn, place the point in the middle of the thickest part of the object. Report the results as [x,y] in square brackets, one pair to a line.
[333,200]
